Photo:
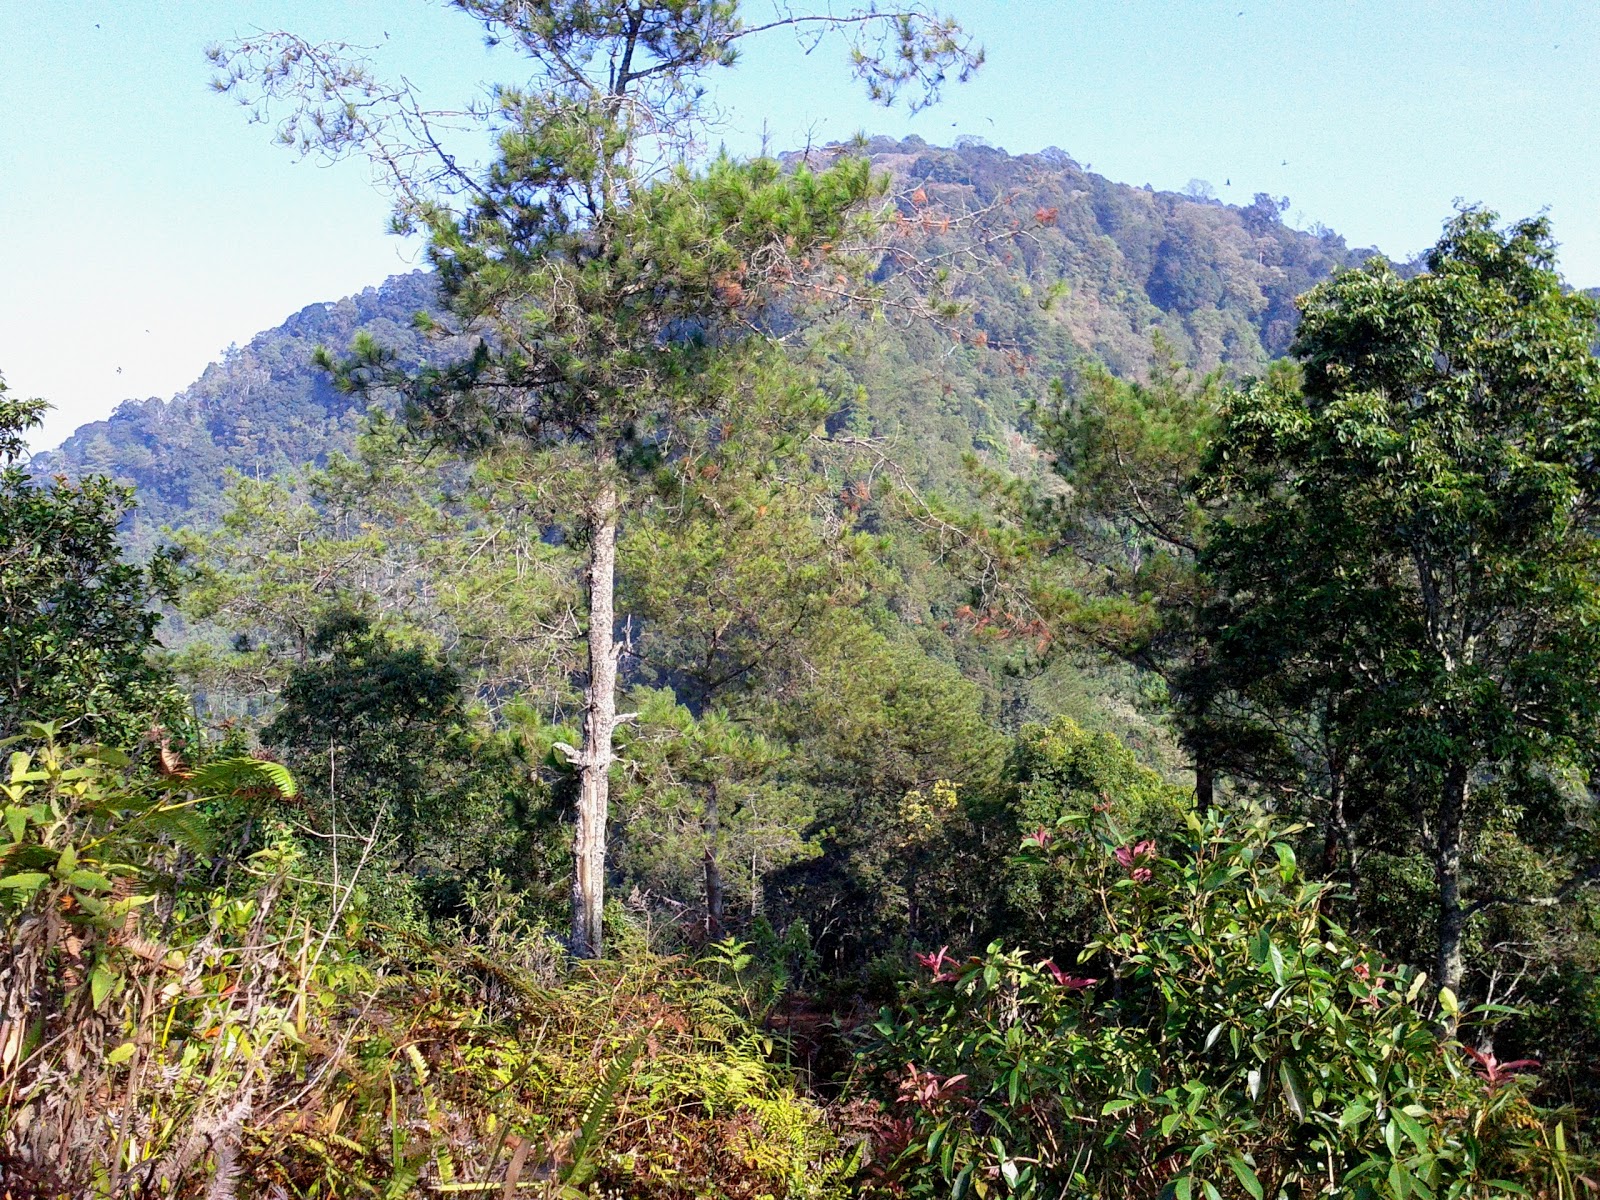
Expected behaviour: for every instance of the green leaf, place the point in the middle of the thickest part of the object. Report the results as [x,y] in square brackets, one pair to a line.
[25,879]
[1294,1090]
[1354,1113]
[1399,1180]
[1409,1126]
[1260,944]
[101,981]
[1448,1003]
[232,775]
[1275,961]
[90,881]
[121,1054]
[1286,860]
[1247,1176]
[597,1111]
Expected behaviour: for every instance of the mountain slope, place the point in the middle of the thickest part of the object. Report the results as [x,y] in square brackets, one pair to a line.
[1214,283]
[261,410]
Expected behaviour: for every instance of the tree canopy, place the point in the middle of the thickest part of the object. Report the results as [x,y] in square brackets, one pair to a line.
[1410,551]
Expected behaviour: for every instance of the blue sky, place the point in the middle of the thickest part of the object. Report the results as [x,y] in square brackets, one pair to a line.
[147,225]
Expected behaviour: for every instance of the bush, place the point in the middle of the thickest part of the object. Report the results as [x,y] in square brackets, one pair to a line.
[163,1036]
[1062,768]
[1222,1038]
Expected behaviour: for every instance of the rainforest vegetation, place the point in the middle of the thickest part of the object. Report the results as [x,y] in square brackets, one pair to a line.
[887,671]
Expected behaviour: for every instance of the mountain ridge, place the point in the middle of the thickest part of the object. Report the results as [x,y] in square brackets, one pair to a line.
[1145,273]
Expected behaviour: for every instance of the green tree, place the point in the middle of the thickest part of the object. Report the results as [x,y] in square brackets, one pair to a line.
[1133,526]
[445,555]
[706,808]
[1413,535]
[1062,769]
[610,296]
[904,767]
[397,771]
[77,621]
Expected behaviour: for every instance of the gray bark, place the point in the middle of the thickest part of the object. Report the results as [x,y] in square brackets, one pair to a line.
[1448,963]
[599,722]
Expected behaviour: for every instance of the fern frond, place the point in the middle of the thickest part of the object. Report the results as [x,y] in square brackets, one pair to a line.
[230,776]
[596,1110]
[184,826]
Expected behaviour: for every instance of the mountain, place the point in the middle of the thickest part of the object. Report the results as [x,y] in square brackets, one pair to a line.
[263,409]
[1137,273]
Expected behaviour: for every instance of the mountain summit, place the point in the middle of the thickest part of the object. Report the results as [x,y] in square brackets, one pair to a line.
[1137,272]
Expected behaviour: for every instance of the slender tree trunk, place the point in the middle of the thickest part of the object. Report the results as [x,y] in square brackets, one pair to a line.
[599,721]
[715,892]
[1335,828]
[1448,965]
[1205,786]
[1343,838]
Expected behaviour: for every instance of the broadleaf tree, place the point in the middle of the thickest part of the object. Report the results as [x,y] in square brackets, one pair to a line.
[77,620]
[1414,532]
[618,299]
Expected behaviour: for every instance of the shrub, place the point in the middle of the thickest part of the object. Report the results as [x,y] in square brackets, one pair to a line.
[1222,1038]
[164,1038]
[1063,768]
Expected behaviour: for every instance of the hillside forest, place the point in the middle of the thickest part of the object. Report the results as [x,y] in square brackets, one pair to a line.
[877,671]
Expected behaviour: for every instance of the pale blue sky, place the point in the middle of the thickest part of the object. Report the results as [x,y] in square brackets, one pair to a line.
[146,225]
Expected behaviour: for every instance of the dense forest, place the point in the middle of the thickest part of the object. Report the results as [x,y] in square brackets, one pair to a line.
[885,671]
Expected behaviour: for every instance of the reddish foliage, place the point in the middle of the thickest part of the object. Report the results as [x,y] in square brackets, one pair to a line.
[1075,983]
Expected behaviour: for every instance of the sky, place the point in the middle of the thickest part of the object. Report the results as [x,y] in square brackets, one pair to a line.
[146,224]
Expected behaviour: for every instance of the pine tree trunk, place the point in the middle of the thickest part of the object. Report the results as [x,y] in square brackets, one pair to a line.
[1448,965]
[599,721]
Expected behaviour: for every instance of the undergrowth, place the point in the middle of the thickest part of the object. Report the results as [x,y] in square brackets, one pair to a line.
[164,1037]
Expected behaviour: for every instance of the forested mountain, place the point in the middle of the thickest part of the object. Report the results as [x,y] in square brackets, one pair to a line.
[263,409]
[1216,282]
[887,673]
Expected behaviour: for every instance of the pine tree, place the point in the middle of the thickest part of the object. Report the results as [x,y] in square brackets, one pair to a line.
[620,305]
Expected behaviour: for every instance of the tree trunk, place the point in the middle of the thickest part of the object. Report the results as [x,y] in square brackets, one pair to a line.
[714,888]
[599,720]
[1338,846]
[1205,787]
[1448,965]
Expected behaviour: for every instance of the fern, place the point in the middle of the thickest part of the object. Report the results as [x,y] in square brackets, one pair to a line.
[596,1110]
[184,826]
[230,776]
